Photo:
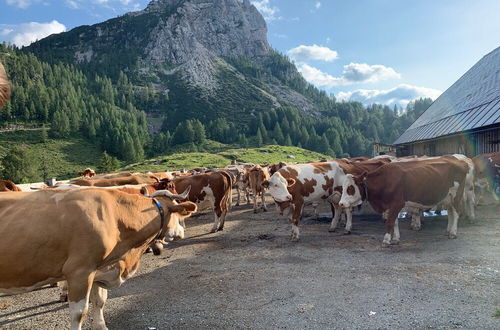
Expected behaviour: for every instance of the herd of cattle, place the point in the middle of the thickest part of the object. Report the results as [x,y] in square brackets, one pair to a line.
[91,232]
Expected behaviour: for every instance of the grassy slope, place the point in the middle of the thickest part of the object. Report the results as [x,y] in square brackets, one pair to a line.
[263,155]
[63,158]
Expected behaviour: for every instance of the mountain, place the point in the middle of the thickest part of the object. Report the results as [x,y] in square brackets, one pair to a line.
[184,70]
[208,59]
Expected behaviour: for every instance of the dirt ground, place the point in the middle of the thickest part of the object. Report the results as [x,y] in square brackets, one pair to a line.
[252,276]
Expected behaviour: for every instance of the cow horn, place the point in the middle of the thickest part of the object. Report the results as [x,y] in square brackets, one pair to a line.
[167,193]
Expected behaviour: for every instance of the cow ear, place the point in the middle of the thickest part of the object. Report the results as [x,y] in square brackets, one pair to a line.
[290,182]
[282,164]
[361,177]
[185,209]
[265,184]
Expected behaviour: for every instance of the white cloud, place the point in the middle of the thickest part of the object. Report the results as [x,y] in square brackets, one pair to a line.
[314,52]
[317,5]
[400,95]
[318,77]
[72,4]
[26,33]
[109,4]
[268,12]
[21,3]
[352,73]
[362,72]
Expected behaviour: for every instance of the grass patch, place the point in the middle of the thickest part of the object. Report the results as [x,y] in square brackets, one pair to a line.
[272,154]
[264,155]
[179,161]
[63,158]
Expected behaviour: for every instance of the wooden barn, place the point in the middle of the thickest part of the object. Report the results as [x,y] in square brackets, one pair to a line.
[464,119]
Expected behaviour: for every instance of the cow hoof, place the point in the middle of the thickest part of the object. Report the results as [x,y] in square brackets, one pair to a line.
[332,230]
[254,211]
[63,297]
[148,250]
[237,204]
[452,236]
[395,242]
[265,210]
[385,244]
[347,232]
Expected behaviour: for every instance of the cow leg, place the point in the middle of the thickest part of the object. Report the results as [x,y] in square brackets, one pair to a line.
[222,220]
[470,204]
[79,286]
[247,192]
[395,235]
[336,211]
[263,198]
[315,208]
[98,297]
[238,194]
[416,222]
[348,224]
[392,217]
[255,196]
[63,297]
[297,211]
[452,222]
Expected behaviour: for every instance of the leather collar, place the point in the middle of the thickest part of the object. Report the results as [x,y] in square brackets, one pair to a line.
[162,217]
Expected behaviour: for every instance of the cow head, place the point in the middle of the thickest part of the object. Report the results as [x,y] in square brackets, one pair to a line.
[353,190]
[278,187]
[176,212]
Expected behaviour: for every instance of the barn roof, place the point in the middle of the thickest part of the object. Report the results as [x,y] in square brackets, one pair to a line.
[473,101]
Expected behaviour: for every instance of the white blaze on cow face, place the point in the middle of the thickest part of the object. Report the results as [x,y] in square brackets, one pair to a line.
[278,188]
[351,196]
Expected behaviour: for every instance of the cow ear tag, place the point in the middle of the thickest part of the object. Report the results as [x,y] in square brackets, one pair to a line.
[184,212]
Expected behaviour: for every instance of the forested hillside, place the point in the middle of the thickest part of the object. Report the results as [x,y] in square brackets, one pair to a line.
[109,113]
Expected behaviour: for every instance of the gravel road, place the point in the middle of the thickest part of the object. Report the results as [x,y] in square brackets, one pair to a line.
[252,276]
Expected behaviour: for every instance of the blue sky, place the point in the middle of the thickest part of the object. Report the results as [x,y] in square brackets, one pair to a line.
[386,51]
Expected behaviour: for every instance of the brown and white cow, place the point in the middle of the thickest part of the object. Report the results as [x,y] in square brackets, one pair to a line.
[419,184]
[97,237]
[87,173]
[240,180]
[212,189]
[295,185]
[7,185]
[257,175]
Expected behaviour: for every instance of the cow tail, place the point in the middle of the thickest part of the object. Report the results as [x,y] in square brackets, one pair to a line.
[228,196]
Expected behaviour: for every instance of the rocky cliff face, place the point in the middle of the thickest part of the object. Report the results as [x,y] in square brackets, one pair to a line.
[195,40]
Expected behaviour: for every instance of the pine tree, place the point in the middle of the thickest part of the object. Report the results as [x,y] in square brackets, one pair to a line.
[43,134]
[60,124]
[18,165]
[278,134]
[107,163]
[199,131]
[258,138]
